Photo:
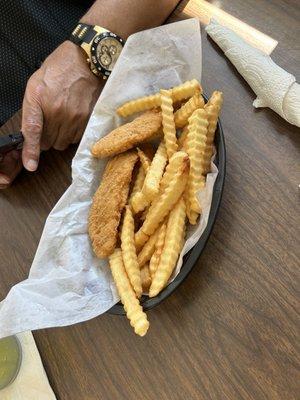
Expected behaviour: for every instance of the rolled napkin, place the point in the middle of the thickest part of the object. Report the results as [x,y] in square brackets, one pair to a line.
[275,88]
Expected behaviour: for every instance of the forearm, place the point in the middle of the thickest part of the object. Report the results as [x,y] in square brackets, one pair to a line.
[125,17]
[54,112]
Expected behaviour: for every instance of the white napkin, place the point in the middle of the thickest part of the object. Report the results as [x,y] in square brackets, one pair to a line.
[31,382]
[275,88]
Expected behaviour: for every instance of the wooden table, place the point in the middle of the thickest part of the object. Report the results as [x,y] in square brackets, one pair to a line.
[230,331]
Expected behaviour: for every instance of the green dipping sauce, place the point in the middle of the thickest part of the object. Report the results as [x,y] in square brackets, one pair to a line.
[10,360]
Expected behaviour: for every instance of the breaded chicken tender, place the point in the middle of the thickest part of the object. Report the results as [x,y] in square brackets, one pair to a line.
[127,136]
[109,201]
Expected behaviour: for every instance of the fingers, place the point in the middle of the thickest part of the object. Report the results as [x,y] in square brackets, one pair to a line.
[32,126]
[10,166]
[64,137]
[50,133]
[79,132]
[70,133]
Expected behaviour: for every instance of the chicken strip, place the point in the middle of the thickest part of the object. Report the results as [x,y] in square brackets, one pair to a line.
[127,136]
[108,203]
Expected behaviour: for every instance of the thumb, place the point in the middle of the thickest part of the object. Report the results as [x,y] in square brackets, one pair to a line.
[32,127]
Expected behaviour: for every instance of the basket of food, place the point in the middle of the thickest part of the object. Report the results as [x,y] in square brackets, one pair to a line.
[146,185]
[149,257]
[150,193]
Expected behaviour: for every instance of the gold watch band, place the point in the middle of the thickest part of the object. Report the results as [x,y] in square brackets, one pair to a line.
[87,37]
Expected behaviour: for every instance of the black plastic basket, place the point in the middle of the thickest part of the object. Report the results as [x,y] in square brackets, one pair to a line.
[190,259]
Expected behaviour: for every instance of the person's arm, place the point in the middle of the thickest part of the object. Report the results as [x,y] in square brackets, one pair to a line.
[61,95]
[127,17]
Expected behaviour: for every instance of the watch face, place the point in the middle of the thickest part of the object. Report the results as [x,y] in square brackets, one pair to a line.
[105,50]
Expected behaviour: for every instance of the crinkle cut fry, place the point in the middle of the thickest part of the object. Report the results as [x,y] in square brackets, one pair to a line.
[171,169]
[135,314]
[148,249]
[168,122]
[154,261]
[140,239]
[182,138]
[163,203]
[172,248]
[108,203]
[193,215]
[129,252]
[215,98]
[138,105]
[186,110]
[213,108]
[195,146]
[146,278]
[180,92]
[139,202]
[185,90]
[155,172]
[129,135]
[138,183]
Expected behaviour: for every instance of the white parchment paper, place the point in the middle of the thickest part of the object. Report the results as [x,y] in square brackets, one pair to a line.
[67,283]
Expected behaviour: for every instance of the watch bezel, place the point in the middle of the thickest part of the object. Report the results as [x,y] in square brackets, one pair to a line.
[94,59]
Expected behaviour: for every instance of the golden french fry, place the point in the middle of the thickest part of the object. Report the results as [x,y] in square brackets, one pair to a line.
[141,104]
[144,213]
[146,278]
[155,172]
[172,248]
[168,123]
[129,252]
[171,169]
[180,92]
[206,157]
[163,203]
[140,239]
[148,249]
[145,161]
[213,108]
[182,138]
[154,261]
[139,202]
[183,114]
[195,146]
[192,215]
[135,314]
[138,183]
[185,90]
[215,98]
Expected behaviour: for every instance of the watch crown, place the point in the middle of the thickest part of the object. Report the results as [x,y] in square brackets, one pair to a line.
[88,60]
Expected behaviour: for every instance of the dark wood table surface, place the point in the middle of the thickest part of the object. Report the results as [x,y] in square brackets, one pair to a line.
[230,331]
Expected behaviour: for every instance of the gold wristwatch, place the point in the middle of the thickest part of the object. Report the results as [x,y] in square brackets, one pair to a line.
[101,46]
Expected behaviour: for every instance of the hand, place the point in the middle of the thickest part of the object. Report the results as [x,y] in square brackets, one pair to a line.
[58,101]
[10,166]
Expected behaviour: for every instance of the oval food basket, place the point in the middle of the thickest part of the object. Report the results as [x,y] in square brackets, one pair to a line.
[191,258]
